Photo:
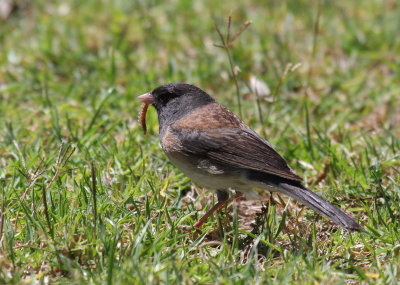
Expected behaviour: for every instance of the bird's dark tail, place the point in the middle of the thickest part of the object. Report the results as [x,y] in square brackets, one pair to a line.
[315,202]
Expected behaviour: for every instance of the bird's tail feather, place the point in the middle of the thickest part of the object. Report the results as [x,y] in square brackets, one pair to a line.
[312,200]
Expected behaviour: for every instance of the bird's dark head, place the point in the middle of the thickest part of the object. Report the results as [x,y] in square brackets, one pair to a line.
[179,94]
[173,101]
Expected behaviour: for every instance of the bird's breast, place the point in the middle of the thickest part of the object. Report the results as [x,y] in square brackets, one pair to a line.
[170,142]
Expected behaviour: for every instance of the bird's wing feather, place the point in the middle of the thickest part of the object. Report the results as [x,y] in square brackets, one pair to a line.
[237,147]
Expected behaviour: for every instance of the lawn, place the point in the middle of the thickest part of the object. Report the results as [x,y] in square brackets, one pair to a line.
[86,197]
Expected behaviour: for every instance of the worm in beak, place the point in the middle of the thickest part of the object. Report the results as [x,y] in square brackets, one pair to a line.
[147,99]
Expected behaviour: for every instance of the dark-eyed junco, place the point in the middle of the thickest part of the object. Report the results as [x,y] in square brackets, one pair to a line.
[218,151]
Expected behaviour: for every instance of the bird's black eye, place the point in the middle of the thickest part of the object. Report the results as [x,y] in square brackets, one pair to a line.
[165,97]
[165,93]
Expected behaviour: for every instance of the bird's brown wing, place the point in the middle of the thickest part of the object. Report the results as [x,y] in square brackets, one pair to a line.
[236,147]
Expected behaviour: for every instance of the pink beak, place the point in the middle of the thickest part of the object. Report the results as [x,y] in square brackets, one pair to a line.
[146,98]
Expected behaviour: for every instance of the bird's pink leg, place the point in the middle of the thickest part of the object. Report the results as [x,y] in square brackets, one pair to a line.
[216,207]
[239,197]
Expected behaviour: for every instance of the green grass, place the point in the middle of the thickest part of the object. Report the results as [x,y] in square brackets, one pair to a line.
[69,75]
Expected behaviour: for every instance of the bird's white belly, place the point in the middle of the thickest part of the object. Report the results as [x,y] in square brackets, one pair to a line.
[214,177]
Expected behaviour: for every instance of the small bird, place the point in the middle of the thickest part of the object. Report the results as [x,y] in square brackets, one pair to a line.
[218,151]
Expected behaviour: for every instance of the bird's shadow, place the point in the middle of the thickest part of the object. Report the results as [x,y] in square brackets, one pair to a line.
[270,234]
